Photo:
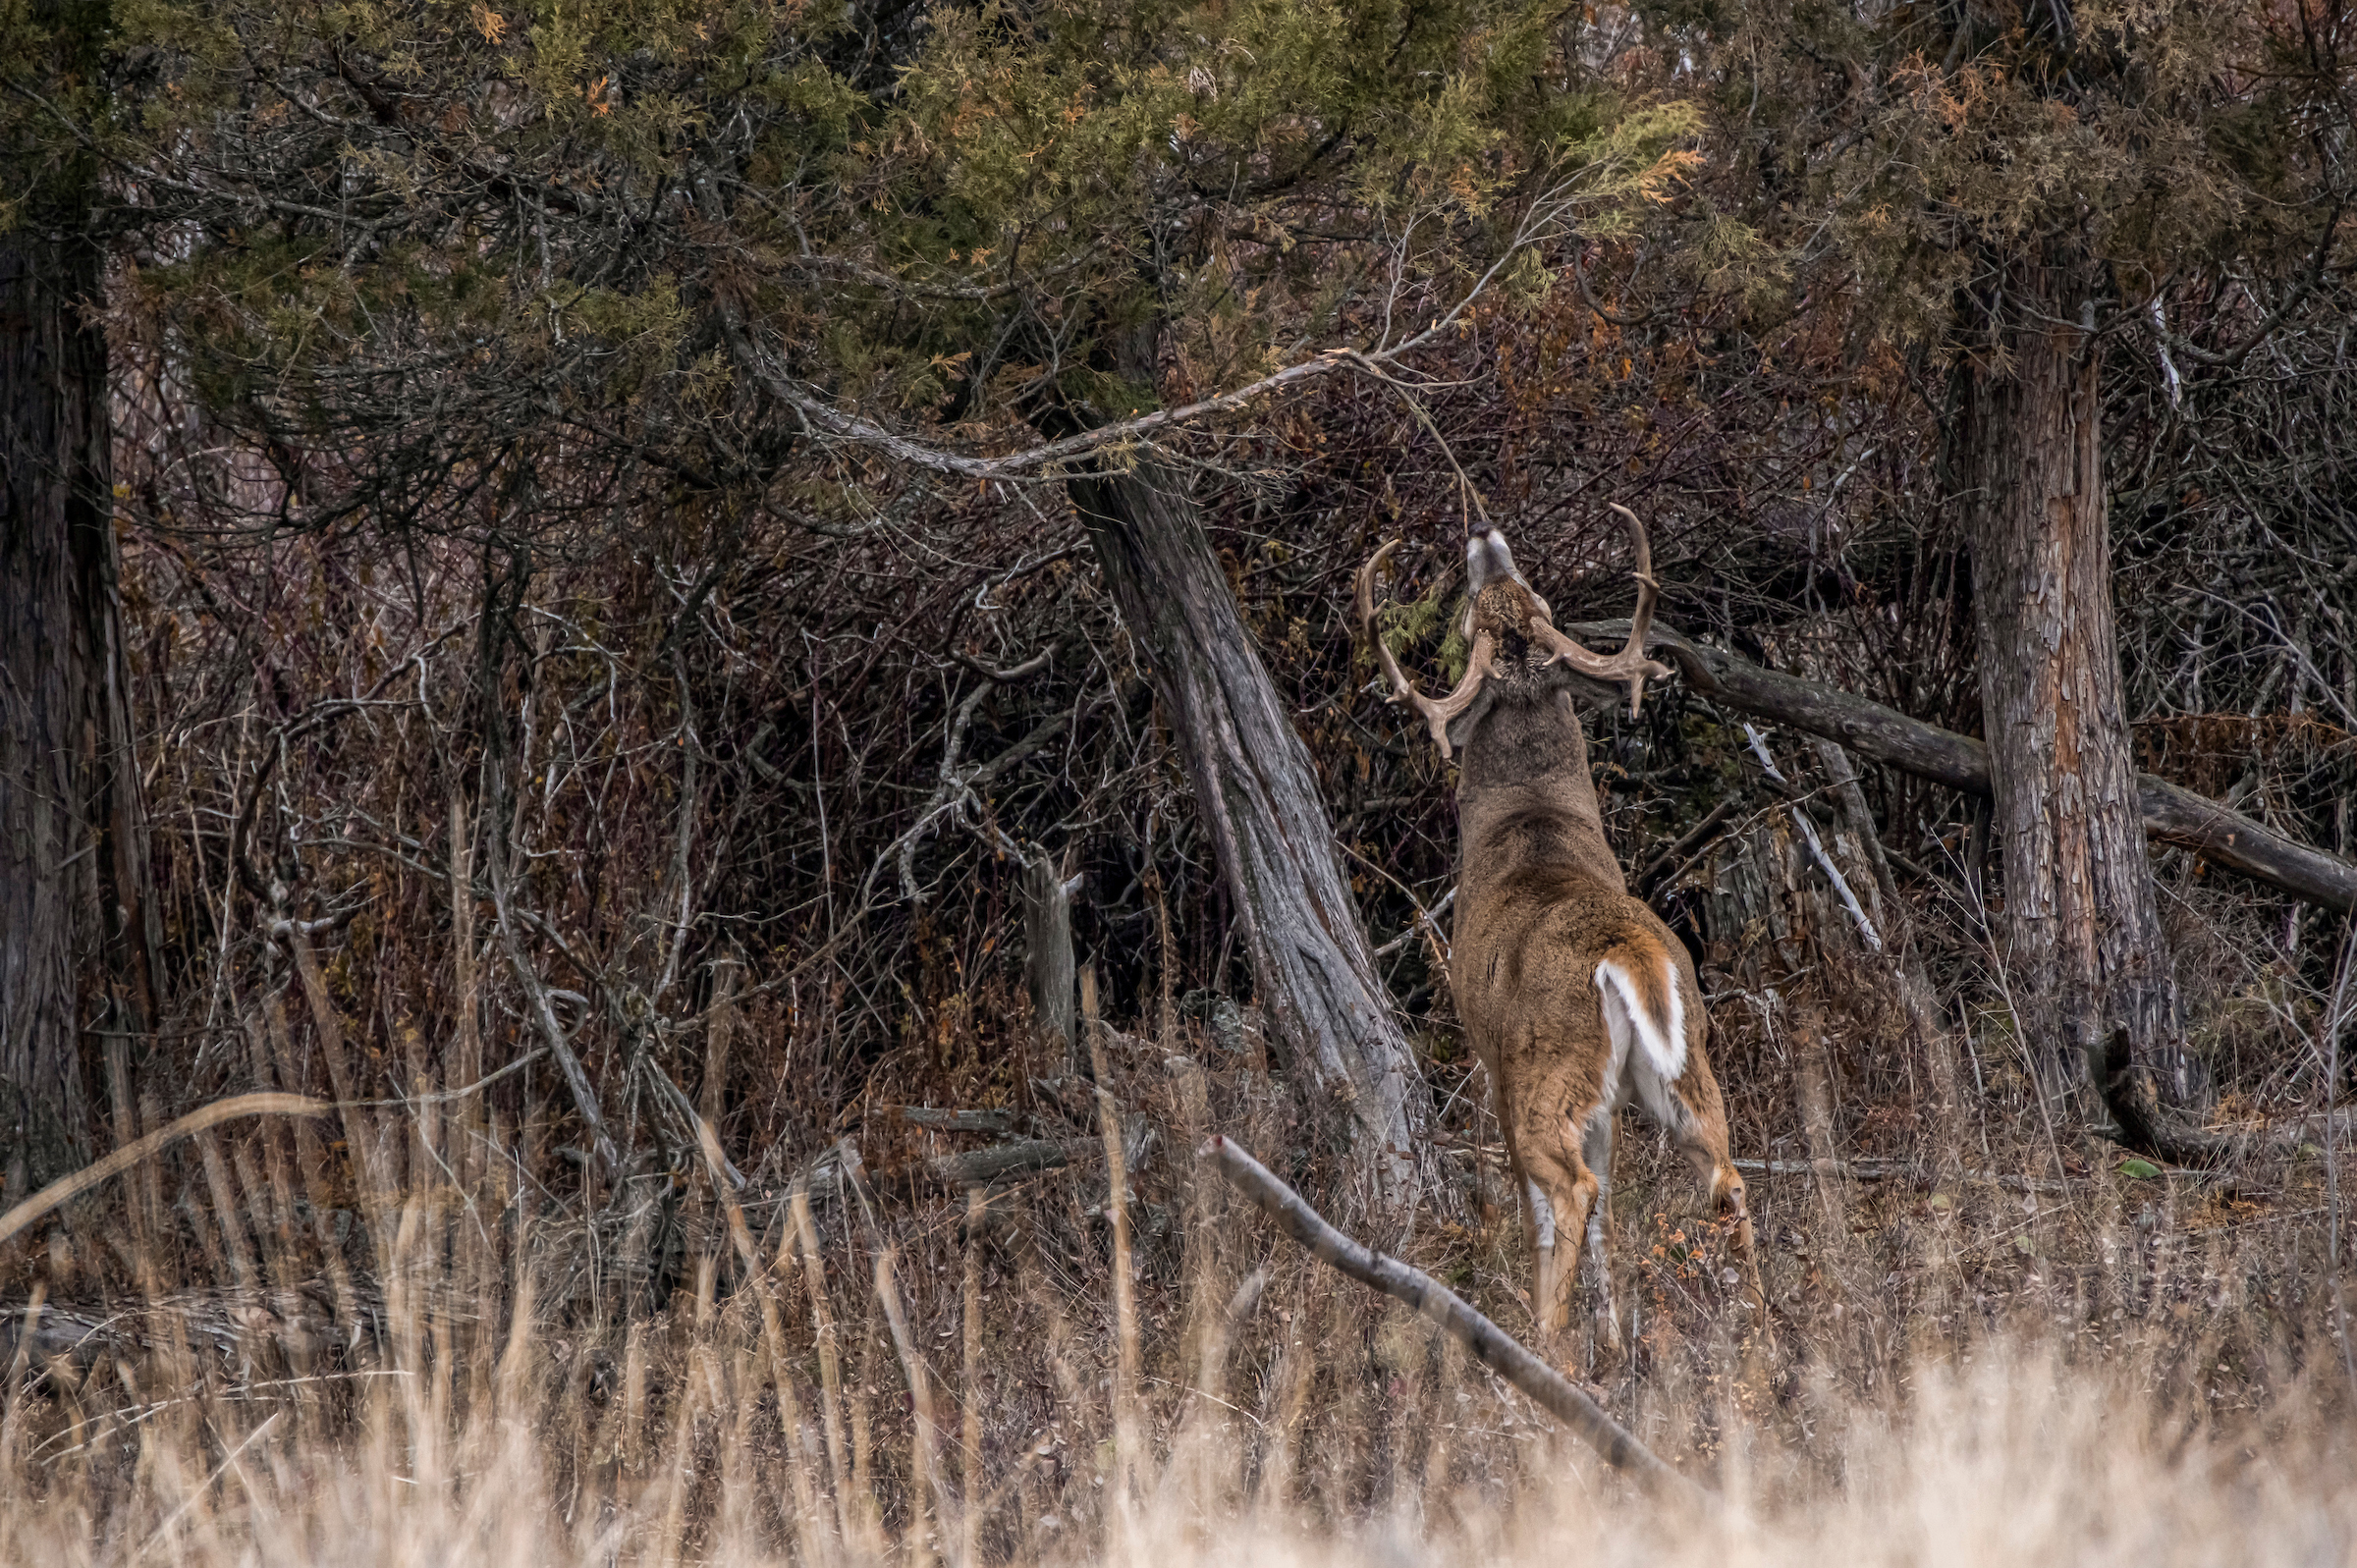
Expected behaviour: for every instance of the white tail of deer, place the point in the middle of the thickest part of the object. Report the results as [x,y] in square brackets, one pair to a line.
[1575,995]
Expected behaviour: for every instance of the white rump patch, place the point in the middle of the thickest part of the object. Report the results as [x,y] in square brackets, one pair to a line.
[1625,1015]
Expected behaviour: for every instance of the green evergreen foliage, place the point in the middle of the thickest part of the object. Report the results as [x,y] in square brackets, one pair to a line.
[433,242]
[1883,159]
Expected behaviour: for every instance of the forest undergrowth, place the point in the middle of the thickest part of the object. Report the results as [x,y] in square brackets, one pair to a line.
[2021,1343]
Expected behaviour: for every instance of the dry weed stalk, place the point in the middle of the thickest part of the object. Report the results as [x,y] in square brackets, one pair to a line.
[1124,1285]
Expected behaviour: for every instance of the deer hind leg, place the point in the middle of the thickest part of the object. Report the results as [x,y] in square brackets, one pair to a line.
[1690,1110]
[1596,1149]
[1564,1190]
[1655,1068]
[1705,1147]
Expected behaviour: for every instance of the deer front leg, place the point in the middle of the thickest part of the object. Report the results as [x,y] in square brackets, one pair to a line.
[1537,1218]
[1539,1210]
[1689,1109]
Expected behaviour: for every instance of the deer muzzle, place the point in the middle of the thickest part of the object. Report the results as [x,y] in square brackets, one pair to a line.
[1488,561]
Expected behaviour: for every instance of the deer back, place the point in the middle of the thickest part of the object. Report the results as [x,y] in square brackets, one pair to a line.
[1547,934]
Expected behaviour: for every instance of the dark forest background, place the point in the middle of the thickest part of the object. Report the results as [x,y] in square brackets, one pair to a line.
[649,554]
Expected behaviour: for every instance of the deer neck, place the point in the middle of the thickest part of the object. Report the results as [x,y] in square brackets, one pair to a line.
[1526,800]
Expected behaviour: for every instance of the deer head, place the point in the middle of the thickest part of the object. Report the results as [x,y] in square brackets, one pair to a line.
[1511,630]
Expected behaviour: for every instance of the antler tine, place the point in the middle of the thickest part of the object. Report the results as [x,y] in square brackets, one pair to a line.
[1437,714]
[1640,621]
[1363,591]
[1630,663]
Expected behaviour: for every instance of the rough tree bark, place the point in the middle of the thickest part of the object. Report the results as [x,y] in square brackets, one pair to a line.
[1259,797]
[75,940]
[1049,970]
[2086,951]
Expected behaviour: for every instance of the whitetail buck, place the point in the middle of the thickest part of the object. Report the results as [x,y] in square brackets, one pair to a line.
[1577,996]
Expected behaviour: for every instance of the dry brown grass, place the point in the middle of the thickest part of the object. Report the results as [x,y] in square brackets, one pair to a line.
[2014,1453]
[2098,1367]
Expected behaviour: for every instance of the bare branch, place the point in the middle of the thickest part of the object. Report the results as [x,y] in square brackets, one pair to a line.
[65,1189]
[1490,1344]
[2173,815]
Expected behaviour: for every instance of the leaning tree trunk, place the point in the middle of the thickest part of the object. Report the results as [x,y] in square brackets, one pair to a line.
[1259,797]
[74,945]
[2087,957]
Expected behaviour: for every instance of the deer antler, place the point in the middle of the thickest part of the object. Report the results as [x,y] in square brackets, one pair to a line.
[1630,663]
[1437,714]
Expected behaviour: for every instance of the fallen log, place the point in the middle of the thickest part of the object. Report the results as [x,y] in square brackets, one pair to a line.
[1009,1159]
[227,1325]
[827,1177]
[998,1122]
[1490,1344]
[1909,1171]
[2173,815]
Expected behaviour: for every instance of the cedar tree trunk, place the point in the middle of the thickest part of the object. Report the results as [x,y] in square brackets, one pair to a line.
[2088,958]
[75,950]
[1259,797]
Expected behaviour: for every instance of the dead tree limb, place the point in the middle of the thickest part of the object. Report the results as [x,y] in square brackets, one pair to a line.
[2172,815]
[2149,1129]
[1490,1344]
[67,1188]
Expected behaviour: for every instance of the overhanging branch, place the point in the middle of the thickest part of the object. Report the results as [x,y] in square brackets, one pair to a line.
[2172,815]
[1547,218]
[833,422]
